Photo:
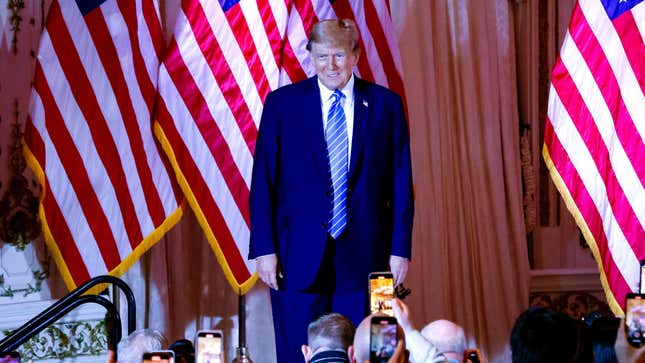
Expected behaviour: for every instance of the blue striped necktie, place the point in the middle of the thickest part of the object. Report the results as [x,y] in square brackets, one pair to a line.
[337,149]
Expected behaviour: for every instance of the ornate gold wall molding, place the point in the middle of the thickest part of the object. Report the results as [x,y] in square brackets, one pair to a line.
[66,340]
[576,292]
[15,6]
[19,223]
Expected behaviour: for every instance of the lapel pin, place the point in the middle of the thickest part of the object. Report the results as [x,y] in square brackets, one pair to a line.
[365,103]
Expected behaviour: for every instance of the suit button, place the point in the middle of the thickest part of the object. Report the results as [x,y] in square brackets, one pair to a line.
[323,225]
[328,193]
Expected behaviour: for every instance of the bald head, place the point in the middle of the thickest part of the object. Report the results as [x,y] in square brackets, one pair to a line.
[446,336]
[361,347]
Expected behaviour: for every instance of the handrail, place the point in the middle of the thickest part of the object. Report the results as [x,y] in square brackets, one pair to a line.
[14,340]
[69,299]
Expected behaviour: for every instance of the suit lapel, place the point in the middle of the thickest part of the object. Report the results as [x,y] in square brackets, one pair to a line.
[315,126]
[361,111]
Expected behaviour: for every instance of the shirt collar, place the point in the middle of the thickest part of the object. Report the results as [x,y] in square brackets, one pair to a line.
[330,356]
[325,93]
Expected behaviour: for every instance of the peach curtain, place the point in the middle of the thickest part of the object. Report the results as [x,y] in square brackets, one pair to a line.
[469,253]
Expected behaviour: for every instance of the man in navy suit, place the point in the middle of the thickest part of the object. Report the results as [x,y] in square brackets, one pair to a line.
[331,192]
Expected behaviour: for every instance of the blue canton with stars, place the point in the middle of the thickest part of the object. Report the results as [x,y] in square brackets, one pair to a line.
[615,8]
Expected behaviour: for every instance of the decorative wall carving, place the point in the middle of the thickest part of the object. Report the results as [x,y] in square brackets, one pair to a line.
[15,6]
[36,287]
[573,292]
[19,222]
[80,335]
[66,340]
[529,181]
[529,189]
[574,304]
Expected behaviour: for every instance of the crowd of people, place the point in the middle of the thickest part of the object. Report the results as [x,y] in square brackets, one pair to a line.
[539,335]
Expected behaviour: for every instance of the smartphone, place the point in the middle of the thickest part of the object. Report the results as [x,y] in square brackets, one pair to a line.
[635,319]
[383,338]
[381,290]
[161,356]
[471,356]
[209,346]
[641,288]
[11,357]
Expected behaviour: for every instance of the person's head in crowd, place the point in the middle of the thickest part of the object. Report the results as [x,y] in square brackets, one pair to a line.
[359,352]
[184,351]
[584,347]
[447,337]
[109,333]
[131,348]
[14,356]
[328,339]
[542,335]
[334,51]
[602,330]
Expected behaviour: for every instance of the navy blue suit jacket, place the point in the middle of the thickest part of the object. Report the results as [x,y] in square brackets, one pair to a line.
[291,196]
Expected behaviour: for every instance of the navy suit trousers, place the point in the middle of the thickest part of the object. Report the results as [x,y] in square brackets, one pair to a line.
[294,310]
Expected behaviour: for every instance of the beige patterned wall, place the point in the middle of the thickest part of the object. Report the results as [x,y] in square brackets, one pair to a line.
[20,27]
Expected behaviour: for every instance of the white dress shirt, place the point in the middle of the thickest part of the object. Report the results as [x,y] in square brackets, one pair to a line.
[421,350]
[348,107]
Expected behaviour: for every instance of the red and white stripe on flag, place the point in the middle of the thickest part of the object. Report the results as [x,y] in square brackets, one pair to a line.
[594,136]
[225,57]
[107,193]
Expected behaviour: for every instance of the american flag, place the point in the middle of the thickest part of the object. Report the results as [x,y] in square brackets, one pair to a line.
[594,136]
[225,57]
[107,193]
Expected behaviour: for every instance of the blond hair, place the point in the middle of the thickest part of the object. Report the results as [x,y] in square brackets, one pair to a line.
[335,32]
[332,331]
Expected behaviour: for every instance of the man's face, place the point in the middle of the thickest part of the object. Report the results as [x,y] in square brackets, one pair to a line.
[333,64]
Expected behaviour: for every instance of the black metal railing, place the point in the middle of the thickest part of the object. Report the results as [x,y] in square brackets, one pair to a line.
[68,303]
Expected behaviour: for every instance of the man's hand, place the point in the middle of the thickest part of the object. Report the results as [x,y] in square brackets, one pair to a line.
[399,268]
[624,351]
[402,315]
[267,267]
[401,355]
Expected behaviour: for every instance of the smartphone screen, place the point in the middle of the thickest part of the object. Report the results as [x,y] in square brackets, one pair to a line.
[209,346]
[11,357]
[635,319]
[471,356]
[642,282]
[383,338]
[381,288]
[162,356]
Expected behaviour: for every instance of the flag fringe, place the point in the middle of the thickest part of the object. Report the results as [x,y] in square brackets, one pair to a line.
[122,267]
[241,288]
[35,166]
[582,224]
